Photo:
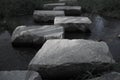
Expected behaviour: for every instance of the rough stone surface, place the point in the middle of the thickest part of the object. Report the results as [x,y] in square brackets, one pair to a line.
[46,16]
[73,23]
[110,76]
[69,10]
[36,35]
[59,58]
[119,36]
[66,0]
[19,75]
[50,6]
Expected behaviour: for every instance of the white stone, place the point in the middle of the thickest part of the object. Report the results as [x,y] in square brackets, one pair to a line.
[78,8]
[109,76]
[36,35]
[69,10]
[57,55]
[67,0]
[52,5]
[73,23]
[46,16]
[19,75]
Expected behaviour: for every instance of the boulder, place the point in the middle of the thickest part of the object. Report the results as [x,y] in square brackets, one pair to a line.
[36,35]
[73,23]
[70,2]
[46,16]
[69,10]
[119,36]
[67,0]
[19,75]
[50,6]
[109,76]
[69,58]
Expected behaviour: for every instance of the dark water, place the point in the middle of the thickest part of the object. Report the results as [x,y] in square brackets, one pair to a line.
[18,58]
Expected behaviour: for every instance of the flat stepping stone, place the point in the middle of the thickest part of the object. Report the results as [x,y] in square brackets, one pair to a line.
[109,76]
[46,16]
[69,10]
[62,58]
[50,6]
[119,36]
[68,0]
[73,23]
[19,75]
[36,35]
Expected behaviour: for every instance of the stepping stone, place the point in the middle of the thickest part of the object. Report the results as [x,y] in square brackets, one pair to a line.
[69,10]
[66,58]
[19,75]
[36,35]
[68,0]
[46,16]
[119,36]
[109,76]
[50,6]
[73,23]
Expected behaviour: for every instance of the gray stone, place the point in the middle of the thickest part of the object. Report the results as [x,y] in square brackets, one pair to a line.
[65,58]
[110,76]
[19,75]
[36,35]
[67,0]
[69,10]
[73,23]
[46,16]
[50,6]
[119,36]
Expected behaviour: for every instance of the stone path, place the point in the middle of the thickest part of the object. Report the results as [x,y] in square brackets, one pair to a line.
[60,58]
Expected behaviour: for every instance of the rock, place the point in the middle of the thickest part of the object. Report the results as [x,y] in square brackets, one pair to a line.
[73,23]
[109,76]
[36,35]
[118,36]
[46,16]
[67,0]
[70,10]
[50,6]
[67,58]
[70,2]
[19,75]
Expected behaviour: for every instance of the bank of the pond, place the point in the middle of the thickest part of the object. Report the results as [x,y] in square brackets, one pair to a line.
[109,8]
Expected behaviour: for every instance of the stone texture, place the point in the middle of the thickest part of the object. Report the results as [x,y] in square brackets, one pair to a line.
[66,0]
[50,6]
[109,76]
[19,75]
[66,58]
[36,35]
[69,10]
[46,16]
[119,36]
[73,23]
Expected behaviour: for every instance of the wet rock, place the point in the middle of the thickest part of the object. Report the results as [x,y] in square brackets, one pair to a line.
[110,76]
[19,75]
[73,23]
[67,58]
[70,10]
[36,35]
[66,0]
[50,6]
[119,36]
[46,16]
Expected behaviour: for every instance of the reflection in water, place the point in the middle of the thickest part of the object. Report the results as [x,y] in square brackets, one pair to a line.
[97,28]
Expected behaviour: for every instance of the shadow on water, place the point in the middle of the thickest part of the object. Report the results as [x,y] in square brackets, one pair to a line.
[104,29]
